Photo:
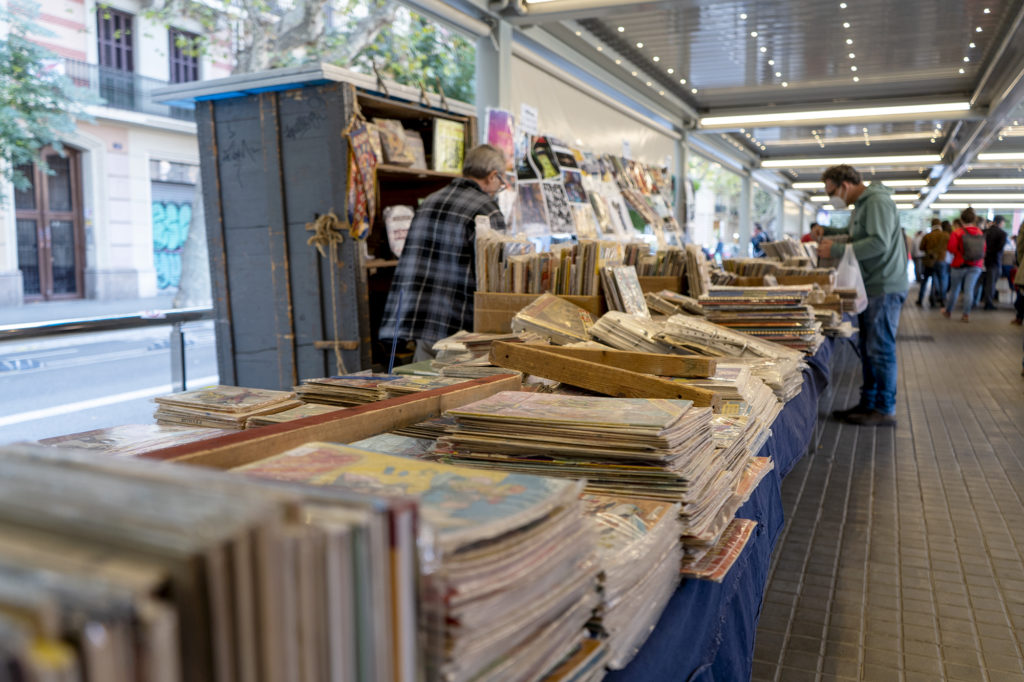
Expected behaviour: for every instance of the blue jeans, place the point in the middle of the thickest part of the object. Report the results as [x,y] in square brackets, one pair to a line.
[878,325]
[966,277]
[941,284]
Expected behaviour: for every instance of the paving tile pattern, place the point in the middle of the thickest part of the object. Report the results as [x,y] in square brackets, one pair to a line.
[901,558]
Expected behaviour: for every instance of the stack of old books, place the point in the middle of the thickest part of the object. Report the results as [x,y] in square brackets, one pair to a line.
[510,581]
[555,320]
[640,556]
[417,384]
[132,440]
[224,407]
[346,391]
[667,302]
[778,314]
[630,332]
[622,290]
[656,449]
[300,412]
[116,568]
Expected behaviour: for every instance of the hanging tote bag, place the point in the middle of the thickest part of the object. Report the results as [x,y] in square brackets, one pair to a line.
[848,277]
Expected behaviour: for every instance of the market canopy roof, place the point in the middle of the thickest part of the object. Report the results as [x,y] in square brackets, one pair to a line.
[916,90]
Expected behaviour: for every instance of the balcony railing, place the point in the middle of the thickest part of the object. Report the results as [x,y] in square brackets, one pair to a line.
[123,89]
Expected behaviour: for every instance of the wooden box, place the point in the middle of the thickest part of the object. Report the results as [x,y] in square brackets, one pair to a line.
[826,282]
[345,426]
[493,312]
[655,284]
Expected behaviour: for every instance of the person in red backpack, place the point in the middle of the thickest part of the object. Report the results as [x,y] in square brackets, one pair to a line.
[967,249]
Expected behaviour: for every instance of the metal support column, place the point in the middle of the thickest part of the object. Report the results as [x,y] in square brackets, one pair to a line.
[745,228]
[494,72]
[682,170]
[177,347]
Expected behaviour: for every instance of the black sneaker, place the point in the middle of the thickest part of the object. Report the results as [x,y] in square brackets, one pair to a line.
[871,418]
[843,415]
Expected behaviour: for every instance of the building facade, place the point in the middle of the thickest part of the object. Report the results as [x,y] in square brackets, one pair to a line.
[110,219]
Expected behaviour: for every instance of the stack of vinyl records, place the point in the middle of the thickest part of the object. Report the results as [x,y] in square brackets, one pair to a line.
[300,412]
[346,391]
[224,407]
[117,569]
[778,314]
[640,555]
[511,580]
[647,448]
[132,440]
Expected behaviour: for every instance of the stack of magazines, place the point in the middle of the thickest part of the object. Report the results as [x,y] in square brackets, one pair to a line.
[224,407]
[300,412]
[510,580]
[778,314]
[346,391]
[668,262]
[467,355]
[623,331]
[622,290]
[640,556]
[555,320]
[118,569]
[132,440]
[667,302]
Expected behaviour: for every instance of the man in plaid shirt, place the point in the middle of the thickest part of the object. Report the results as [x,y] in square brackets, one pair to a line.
[431,295]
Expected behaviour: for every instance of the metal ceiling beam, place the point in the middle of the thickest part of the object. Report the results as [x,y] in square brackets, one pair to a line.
[522,13]
[1009,92]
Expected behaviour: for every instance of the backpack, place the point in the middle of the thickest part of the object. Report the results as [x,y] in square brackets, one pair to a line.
[973,247]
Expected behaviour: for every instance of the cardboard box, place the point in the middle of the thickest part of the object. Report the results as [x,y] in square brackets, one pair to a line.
[344,426]
[493,312]
[655,284]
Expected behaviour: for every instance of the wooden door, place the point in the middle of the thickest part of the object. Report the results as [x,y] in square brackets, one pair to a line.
[49,228]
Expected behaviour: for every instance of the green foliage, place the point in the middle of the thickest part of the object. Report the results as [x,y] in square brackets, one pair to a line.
[38,105]
[413,50]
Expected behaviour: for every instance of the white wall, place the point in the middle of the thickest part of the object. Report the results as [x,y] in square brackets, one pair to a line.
[581,119]
[792,219]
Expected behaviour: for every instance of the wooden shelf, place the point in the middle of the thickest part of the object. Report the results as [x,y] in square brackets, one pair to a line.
[401,172]
[379,263]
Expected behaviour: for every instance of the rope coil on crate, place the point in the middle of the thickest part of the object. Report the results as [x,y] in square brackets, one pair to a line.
[328,233]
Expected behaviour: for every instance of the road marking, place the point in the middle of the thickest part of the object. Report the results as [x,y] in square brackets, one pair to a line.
[58,410]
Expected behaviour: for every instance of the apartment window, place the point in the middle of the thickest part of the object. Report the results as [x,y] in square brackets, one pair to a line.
[184,54]
[114,32]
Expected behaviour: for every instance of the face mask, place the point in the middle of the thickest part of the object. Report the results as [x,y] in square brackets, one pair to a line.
[837,202]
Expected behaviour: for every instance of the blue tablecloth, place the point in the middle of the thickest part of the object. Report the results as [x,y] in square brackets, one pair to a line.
[707,630]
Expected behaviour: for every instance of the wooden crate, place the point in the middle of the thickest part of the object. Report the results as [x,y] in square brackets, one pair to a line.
[345,426]
[656,284]
[493,312]
[826,282]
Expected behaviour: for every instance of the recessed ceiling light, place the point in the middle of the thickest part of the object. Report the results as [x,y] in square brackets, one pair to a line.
[849,41]
[661,92]
[763,49]
[640,45]
[842,5]
[649,83]
[693,90]
[972,46]
[961,70]
[578,33]
[743,130]
[618,61]
[978,29]
[633,72]
[753,34]
[747,134]
[932,140]
[785,84]
[853,68]
[987,11]
[600,49]
[622,29]
[852,55]
[778,74]
[864,129]
[771,62]
[657,59]
[743,17]
[856,79]
[682,81]
[846,24]
[670,71]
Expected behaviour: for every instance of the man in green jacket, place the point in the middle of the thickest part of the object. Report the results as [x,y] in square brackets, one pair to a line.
[881,249]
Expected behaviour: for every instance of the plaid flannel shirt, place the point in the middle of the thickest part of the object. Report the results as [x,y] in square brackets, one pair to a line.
[437,271]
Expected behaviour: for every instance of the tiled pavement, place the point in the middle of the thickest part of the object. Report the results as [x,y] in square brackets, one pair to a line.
[901,558]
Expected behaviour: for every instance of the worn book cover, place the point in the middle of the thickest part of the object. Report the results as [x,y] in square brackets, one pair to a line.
[449,145]
[394,143]
[463,505]
[230,399]
[132,439]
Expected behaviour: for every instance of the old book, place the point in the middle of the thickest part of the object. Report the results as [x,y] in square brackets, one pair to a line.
[131,440]
[300,412]
[228,399]
[414,141]
[394,143]
[449,145]
[554,319]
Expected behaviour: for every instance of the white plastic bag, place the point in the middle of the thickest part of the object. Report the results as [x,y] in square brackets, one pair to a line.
[848,277]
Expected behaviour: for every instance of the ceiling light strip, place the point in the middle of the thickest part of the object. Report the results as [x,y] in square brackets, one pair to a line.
[832,115]
[909,159]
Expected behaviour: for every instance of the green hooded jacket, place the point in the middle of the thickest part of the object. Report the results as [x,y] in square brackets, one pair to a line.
[878,242]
